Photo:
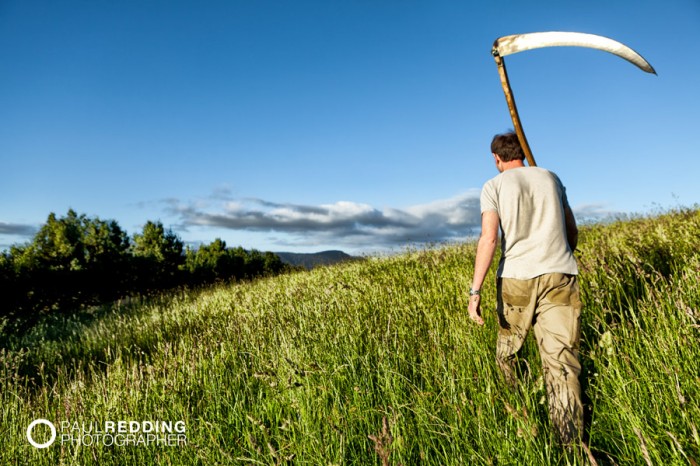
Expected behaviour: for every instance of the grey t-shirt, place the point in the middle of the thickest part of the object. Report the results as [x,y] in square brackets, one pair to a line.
[530,204]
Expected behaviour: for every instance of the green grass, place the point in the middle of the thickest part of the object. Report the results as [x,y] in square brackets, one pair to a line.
[304,368]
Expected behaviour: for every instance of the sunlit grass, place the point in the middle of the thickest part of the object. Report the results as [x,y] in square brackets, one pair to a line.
[304,368]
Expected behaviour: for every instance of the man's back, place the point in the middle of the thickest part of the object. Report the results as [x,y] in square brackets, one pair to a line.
[530,202]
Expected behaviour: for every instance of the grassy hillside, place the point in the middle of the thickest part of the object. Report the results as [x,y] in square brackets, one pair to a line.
[370,362]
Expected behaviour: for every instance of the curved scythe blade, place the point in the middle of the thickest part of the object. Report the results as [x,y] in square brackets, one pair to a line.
[508,45]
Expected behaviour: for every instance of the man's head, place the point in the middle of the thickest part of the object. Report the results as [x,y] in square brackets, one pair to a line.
[507,147]
[507,152]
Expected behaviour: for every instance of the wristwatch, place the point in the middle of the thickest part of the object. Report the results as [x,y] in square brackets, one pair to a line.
[473,292]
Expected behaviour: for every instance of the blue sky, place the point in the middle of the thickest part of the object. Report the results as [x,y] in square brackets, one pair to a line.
[309,125]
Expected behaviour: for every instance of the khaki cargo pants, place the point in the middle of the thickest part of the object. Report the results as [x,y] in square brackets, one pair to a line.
[551,305]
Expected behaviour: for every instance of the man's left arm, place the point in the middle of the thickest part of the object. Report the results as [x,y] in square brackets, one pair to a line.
[571,228]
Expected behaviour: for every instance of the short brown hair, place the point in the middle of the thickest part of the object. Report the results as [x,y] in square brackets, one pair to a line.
[507,147]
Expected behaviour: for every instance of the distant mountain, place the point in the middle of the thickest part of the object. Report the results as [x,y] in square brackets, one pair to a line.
[311,260]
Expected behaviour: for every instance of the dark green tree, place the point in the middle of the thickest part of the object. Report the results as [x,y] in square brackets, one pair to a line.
[58,245]
[72,261]
[214,262]
[76,261]
[158,255]
[106,259]
[9,285]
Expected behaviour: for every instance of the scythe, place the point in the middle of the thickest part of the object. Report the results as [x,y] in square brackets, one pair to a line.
[508,45]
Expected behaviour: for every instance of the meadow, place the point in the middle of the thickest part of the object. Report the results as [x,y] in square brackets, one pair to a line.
[369,363]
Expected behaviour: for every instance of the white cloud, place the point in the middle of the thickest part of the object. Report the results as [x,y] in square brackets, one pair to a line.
[17,229]
[344,223]
[586,213]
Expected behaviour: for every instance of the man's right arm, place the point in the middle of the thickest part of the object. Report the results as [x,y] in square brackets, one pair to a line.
[485,250]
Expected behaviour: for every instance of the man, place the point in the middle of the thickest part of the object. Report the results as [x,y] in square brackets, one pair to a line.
[536,279]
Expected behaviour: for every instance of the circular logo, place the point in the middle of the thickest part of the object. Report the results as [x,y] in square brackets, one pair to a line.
[34,424]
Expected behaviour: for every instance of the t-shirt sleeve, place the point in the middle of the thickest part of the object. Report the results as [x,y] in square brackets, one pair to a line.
[489,200]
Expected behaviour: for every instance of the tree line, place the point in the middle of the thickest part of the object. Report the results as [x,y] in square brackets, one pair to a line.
[77,261]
